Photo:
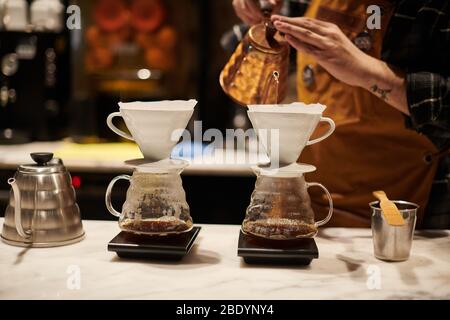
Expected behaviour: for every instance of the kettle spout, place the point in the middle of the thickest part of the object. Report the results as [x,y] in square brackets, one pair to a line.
[271,89]
[17,209]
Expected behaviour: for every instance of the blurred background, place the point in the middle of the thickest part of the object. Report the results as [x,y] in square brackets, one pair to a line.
[66,64]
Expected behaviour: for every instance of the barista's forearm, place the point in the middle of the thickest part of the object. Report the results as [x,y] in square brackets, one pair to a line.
[386,83]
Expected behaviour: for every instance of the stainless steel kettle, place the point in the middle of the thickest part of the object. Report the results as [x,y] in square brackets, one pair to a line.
[42,209]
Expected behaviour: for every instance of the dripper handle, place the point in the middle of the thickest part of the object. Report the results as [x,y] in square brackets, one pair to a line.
[326,135]
[330,202]
[109,122]
[108,203]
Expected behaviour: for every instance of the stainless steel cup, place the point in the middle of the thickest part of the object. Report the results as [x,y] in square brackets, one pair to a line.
[393,243]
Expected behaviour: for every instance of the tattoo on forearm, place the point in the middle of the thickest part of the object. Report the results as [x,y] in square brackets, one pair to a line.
[383,93]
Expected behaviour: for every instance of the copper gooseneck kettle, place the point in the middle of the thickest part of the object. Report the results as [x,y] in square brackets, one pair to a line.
[257,71]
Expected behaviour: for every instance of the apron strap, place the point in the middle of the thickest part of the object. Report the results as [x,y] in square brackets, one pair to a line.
[444,151]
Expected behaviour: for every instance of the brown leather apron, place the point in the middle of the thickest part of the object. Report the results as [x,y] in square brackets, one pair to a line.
[371,148]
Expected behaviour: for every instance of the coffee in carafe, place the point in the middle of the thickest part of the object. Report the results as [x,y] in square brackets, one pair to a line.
[280,207]
[156,201]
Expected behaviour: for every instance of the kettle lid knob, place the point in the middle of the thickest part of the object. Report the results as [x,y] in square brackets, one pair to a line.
[266,8]
[41,158]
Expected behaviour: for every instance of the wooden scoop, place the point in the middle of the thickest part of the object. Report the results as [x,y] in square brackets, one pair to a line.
[389,209]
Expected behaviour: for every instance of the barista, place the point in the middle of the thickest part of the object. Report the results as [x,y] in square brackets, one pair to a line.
[387,89]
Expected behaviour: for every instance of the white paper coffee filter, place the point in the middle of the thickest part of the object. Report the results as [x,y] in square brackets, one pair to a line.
[156,126]
[294,124]
[296,107]
[165,105]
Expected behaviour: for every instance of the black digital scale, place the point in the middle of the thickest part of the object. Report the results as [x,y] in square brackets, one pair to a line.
[255,250]
[170,247]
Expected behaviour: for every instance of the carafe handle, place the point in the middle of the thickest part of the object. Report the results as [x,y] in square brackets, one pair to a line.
[109,122]
[17,210]
[330,202]
[326,135]
[108,203]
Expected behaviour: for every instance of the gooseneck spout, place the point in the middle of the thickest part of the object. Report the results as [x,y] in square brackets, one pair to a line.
[17,209]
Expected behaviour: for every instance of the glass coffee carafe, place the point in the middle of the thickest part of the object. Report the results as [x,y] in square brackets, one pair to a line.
[155,202]
[280,207]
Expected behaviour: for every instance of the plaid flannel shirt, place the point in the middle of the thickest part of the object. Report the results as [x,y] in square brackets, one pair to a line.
[418,42]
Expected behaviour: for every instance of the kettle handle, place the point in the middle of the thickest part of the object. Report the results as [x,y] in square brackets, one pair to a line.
[17,209]
[108,203]
[330,202]
[326,135]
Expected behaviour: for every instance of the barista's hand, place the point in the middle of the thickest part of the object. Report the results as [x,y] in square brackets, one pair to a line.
[328,44]
[249,11]
[343,60]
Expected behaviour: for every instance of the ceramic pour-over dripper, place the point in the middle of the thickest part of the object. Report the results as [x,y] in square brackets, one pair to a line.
[155,126]
[285,130]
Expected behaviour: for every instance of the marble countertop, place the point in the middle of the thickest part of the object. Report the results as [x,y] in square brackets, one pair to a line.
[346,269]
